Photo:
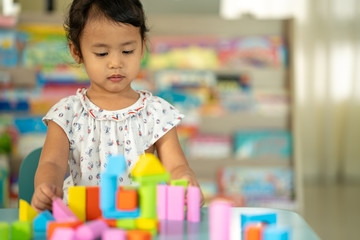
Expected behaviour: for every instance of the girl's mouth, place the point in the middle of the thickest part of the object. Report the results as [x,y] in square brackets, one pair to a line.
[116,78]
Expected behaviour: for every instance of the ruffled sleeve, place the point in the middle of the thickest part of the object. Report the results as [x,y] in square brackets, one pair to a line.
[160,117]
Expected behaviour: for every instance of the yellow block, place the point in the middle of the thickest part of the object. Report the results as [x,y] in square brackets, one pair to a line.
[147,165]
[77,201]
[146,223]
[26,212]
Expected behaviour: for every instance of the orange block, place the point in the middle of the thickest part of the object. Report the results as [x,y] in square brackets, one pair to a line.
[51,226]
[112,223]
[253,231]
[93,210]
[138,235]
[127,199]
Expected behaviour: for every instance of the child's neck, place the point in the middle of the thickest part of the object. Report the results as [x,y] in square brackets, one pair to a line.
[113,102]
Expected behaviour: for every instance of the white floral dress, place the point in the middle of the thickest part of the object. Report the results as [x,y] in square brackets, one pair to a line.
[94,133]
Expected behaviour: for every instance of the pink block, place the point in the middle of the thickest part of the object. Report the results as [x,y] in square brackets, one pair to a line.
[91,230]
[113,234]
[176,203]
[193,204]
[61,212]
[161,203]
[219,220]
[63,233]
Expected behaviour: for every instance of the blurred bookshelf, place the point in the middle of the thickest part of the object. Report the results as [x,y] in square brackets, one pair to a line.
[232,79]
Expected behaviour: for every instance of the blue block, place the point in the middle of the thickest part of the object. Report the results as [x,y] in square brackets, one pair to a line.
[108,187]
[116,165]
[40,221]
[39,236]
[268,218]
[116,214]
[273,232]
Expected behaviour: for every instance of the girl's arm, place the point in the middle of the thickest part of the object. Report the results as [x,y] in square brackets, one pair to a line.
[170,153]
[50,174]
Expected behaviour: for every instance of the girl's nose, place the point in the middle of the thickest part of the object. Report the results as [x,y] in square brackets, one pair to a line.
[115,62]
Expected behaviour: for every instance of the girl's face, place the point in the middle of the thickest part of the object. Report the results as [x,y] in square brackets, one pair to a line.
[111,54]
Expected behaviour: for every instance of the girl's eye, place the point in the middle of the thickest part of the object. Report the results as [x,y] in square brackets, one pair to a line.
[101,54]
[128,52]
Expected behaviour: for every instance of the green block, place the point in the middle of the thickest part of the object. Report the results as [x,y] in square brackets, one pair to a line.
[21,230]
[4,230]
[152,179]
[147,195]
[126,223]
[180,182]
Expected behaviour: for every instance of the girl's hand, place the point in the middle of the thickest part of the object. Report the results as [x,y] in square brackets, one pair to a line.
[189,175]
[44,195]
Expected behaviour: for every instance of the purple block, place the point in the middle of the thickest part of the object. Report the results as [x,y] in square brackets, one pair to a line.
[219,220]
[161,201]
[91,230]
[63,233]
[113,234]
[193,204]
[176,203]
[61,212]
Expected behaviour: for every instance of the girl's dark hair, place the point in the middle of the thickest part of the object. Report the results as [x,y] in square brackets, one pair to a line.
[122,11]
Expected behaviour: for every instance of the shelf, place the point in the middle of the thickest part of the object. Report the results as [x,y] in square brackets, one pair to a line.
[207,168]
[229,123]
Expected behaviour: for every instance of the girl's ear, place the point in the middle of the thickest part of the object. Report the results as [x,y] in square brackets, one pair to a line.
[74,52]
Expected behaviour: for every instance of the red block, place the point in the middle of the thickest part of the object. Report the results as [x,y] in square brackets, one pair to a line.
[93,210]
[127,199]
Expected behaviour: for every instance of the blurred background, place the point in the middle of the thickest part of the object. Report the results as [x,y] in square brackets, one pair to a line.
[270,89]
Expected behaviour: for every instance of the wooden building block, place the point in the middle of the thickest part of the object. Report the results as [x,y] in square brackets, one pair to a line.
[93,210]
[26,212]
[127,199]
[54,225]
[77,201]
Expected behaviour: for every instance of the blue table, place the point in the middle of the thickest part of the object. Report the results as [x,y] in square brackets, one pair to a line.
[300,230]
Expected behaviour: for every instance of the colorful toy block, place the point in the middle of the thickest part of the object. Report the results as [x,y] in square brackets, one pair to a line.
[219,220]
[253,231]
[128,224]
[176,203]
[180,182]
[77,201]
[147,165]
[113,234]
[149,224]
[268,218]
[93,203]
[91,230]
[138,235]
[26,212]
[147,193]
[193,204]
[63,233]
[127,199]
[52,226]
[4,230]
[161,201]
[41,220]
[108,187]
[61,212]
[273,232]
[21,230]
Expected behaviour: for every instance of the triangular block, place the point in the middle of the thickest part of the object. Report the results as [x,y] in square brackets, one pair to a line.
[26,212]
[61,212]
[147,165]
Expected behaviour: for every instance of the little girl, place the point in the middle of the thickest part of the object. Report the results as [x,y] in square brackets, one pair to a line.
[108,118]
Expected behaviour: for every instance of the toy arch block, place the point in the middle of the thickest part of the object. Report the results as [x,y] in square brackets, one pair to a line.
[26,212]
[116,166]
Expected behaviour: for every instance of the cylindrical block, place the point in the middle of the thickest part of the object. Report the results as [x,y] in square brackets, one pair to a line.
[219,220]
[193,204]
[161,201]
[91,230]
[176,203]
[147,194]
